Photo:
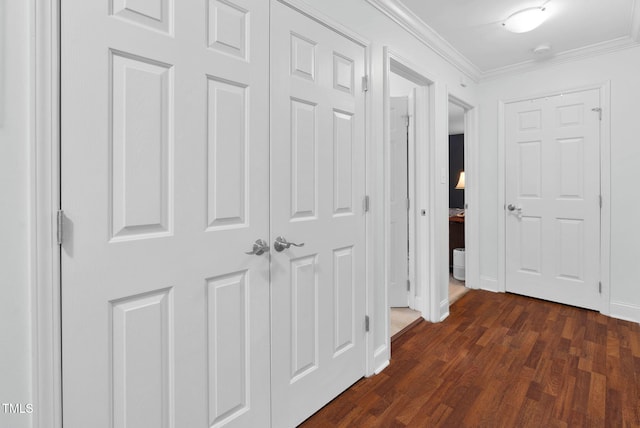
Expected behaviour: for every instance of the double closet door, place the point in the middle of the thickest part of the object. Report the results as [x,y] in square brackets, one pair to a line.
[179,157]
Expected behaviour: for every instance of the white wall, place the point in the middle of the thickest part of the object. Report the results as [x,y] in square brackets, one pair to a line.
[622,70]
[15,143]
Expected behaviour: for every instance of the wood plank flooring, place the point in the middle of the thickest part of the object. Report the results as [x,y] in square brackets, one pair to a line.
[502,360]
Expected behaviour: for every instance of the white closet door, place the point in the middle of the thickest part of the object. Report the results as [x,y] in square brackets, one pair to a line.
[317,190]
[165,187]
[399,202]
[552,194]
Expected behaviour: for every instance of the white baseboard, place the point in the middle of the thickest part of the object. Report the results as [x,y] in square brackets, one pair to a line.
[625,311]
[444,309]
[417,305]
[382,366]
[488,283]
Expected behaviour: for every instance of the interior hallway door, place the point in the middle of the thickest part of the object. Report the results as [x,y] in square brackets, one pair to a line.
[399,202]
[317,192]
[165,186]
[552,196]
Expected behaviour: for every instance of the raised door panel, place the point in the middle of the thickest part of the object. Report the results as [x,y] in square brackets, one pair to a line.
[570,168]
[344,294]
[227,28]
[228,321]
[153,14]
[227,150]
[304,192]
[342,163]
[304,317]
[141,146]
[142,360]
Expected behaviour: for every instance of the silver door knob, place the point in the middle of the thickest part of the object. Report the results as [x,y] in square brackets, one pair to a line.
[259,248]
[282,244]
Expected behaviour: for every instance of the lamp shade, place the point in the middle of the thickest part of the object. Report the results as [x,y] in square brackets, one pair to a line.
[460,184]
[525,20]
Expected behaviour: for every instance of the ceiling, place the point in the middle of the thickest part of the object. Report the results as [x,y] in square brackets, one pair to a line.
[469,33]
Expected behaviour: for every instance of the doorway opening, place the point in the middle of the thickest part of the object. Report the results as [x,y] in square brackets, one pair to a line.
[402,178]
[457,205]
[407,153]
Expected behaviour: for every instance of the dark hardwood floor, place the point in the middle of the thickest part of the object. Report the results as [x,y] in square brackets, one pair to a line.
[502,360]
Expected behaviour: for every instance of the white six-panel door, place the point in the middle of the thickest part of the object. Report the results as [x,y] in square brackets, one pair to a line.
[552,196]
[398,202]
[165,319]
[317,189]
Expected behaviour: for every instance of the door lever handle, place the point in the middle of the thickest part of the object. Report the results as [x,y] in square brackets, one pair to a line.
[259,248]
[516,208]
[282,244]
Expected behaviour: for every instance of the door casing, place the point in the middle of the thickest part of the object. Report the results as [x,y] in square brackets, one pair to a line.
[605,186]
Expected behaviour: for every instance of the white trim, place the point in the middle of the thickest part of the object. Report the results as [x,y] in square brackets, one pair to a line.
[381,367]
[472,217]
[502,267]
[411,192]
[311,12]
[444,309]
[415,26]
[410,22]
[571,55]
[605,191]
[635,21]
[384,351]
[625,311]
[605,187]
[488,284]
[47,376]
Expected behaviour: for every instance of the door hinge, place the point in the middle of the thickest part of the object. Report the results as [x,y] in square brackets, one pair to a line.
[600,287]
[365,83]
[600,197]
[599,110]
[59,227]
[408,203]
[408,285]
[366,203]
[366,323]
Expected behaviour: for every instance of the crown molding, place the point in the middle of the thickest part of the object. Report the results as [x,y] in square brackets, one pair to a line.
[399,13]
[597,49]
[408,20]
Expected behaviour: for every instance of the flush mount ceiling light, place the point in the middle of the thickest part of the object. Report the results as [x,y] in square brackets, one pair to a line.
[525,20]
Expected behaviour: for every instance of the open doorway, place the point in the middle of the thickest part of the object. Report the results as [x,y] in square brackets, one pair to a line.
[457,204]
[401,244]
[408,101]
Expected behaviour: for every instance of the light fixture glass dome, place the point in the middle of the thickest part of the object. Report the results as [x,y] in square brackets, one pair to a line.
[525,20]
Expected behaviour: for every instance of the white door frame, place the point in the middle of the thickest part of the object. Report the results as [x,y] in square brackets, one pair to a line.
[425,254]
[605,186]
[471,201]
[44,173]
